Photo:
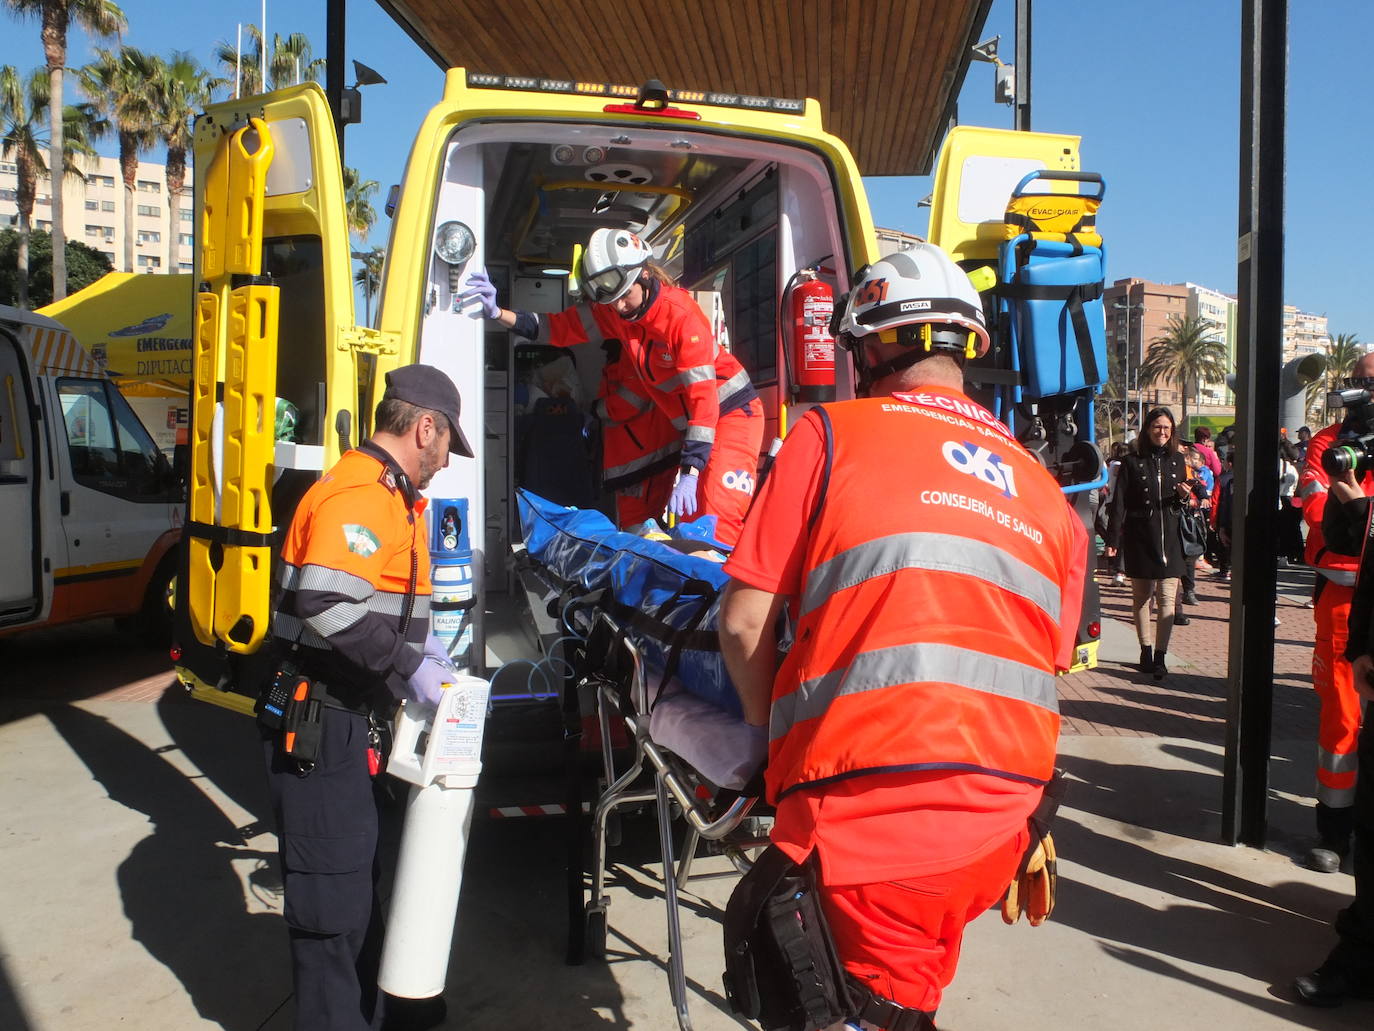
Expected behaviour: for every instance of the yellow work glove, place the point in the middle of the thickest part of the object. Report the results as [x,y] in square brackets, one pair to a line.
[1032,890]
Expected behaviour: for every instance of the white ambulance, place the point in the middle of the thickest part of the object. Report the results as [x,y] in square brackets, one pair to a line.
[90,509]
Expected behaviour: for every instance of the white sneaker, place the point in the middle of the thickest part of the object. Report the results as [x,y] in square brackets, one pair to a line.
[1119,580]
[1276,621]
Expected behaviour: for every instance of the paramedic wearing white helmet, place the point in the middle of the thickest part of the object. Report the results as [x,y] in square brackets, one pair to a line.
[934,572]
[698,385]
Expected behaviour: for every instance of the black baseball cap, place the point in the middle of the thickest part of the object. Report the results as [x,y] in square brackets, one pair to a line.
[427,387]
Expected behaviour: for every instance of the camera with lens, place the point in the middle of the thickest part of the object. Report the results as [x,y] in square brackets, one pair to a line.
[1353,448]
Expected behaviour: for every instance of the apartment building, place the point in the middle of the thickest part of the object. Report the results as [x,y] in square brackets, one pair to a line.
[94,213]
[1138,312]
[1218,311]
[1303,333]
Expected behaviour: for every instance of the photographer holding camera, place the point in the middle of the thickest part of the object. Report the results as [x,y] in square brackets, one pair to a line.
[1349,968]
[1331,452]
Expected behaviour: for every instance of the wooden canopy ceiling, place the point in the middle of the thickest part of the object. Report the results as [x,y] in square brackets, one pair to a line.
[886,72]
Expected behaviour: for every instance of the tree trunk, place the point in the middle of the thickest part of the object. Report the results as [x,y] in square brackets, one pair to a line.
[176,182]
[22,286]
[55,170]
[128,167]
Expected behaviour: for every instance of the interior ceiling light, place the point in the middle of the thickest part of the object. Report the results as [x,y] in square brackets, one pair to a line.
[593,155]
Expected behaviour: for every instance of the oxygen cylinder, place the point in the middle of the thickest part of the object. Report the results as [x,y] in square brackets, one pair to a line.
[429,870]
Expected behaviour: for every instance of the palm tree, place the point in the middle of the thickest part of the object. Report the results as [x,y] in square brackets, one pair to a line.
[122,85]
[361,215]
[1188,353]
[290,61]
[1344,352]
[23,141]
[369,277]
[101,19]
[181,91]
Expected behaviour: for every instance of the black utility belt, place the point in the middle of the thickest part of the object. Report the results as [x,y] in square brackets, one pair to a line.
[293,705]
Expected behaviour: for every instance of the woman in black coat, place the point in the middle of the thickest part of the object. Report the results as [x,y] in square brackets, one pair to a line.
[1151,491]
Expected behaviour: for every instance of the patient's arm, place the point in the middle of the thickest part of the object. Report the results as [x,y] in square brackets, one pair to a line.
[748,641]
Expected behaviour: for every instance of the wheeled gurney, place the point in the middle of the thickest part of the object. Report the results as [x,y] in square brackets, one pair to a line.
[646,671]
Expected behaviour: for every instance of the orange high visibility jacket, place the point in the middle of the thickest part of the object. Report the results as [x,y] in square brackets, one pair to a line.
[637,440]
[348,561]
[938,598]
[691,378]
[1313,484]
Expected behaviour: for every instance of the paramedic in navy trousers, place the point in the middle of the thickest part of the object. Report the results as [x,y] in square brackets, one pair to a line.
[354,601]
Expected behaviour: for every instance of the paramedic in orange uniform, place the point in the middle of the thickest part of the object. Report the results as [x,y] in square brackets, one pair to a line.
[640,449]
[1338,727]
[934,573]
[698,385]
[355,606]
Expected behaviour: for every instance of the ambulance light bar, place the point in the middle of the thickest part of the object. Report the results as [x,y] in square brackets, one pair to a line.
[782,105]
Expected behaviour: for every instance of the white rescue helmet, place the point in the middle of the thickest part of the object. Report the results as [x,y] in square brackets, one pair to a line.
[917,297]
[611,264]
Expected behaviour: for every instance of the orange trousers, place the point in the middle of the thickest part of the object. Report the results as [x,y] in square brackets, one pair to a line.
[644,500]
[902,938]
[1338,728]
[727,482]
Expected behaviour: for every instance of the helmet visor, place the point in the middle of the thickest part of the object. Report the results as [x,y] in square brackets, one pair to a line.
[609,284]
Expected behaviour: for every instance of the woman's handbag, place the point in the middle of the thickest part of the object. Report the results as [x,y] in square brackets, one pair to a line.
[1192,532]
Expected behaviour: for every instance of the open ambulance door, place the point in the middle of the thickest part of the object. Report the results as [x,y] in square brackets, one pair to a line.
[283,381]
[977,173]
[21,574]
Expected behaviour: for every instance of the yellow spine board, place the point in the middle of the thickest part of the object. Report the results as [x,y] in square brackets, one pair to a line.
[243,583]
[236,345]
[250,155]
[201,488]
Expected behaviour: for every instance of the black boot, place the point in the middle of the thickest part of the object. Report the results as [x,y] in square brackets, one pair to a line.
[1147,658]
[1159,668]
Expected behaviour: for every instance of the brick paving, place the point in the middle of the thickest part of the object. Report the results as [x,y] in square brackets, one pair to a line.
[1115,699]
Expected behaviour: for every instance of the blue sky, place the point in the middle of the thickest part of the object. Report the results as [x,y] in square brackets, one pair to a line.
[1152,89]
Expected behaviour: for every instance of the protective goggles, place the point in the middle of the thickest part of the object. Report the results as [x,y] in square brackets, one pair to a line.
[609,284]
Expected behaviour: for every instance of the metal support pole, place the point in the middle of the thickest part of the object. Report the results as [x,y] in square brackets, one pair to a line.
[1023,66]
[1259,335]
[334,67]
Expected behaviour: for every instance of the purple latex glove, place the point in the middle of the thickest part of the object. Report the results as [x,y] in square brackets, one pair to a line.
[683,501]
[480,289]
[435,649]
[426,684]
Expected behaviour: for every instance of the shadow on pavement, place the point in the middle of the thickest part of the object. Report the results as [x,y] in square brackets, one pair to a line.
[1191,916]
[183,898]
[40,668]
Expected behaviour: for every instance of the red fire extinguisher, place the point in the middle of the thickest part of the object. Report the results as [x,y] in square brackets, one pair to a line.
[811,348]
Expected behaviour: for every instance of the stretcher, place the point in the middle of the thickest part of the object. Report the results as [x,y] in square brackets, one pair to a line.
[644,675]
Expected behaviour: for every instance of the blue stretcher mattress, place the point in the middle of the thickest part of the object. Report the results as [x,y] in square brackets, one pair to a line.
[664,599]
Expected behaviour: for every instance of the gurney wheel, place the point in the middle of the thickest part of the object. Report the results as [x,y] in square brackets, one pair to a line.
[596,934]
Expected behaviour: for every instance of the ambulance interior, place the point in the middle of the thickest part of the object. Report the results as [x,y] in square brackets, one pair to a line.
[732,219]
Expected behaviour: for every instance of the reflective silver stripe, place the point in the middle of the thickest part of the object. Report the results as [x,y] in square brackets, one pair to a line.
[696,374]
[599,410]
[288,576]
[589,324]
[938,552]
[913,664]
[680,422]
[636,464]
[541,335]
[738,381]
[1344,577]
[1336,798]
[701,434]
[287,627]
[636,401]
[334,581]
[1333,763]
[338,617]
[1312,488]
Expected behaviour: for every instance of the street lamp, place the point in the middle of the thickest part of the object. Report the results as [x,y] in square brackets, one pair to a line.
[1139,398]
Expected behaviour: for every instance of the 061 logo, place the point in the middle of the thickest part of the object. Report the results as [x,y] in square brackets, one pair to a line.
[981,464]
[738,479]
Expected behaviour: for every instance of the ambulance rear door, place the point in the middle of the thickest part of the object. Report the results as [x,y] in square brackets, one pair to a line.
[21,574]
